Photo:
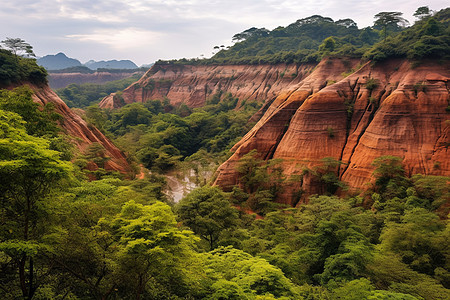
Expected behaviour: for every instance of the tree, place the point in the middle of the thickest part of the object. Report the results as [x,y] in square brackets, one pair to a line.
[347,23]
[245,277]
[422,12]
[389,19]
[29,172]
[389,173]
[38,122]
[249,33]
[208,213]
[18,46]
[327,46]
[153,253]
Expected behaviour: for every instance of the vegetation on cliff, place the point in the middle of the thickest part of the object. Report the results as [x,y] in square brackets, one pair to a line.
[16,69]
[312,38]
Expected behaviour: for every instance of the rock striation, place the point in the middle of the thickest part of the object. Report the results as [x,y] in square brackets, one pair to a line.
[193,85]
[389,108]
[341,108]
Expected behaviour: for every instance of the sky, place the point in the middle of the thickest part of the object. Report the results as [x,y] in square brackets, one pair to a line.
[147,30]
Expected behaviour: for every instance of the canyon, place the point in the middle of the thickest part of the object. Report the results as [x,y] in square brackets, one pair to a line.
[341,108]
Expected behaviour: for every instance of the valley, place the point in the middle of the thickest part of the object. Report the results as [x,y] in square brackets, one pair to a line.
[305,162]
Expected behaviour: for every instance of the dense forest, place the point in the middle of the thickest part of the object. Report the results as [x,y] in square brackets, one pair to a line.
[70,232]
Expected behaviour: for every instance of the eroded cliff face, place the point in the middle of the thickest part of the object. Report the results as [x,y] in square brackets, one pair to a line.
[351,112]
[84,134]
[193,85]
[386,109]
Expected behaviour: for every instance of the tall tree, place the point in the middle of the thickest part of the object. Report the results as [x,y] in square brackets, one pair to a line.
[18,46]
[422,12]
[389,19]
[29,172]
[208,213]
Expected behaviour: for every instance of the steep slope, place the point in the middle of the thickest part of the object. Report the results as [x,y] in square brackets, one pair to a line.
[75,126]
[193,85]
[386,109]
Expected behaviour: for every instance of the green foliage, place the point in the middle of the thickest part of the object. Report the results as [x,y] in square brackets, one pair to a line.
[248,276]
[209,214]
[29,172]
[114,239]
[389,20]
[389,171]
[160,140]
[261,180]
[84,95]
[327,46]
[300,42]
[309,39]
[428,38]
[371,84]
[422,12]
[38,122]
[14,69]
[18,46]
[363,289]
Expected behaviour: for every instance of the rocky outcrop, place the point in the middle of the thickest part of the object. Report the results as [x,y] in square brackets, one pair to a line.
[61,80]
[340,108]
[83,133]
[386,109]
[194,85]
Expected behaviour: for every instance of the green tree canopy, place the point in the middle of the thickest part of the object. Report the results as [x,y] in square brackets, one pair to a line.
[29,172]
[390,20]
[208,213]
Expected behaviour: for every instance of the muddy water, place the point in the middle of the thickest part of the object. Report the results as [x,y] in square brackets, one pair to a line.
[178,188]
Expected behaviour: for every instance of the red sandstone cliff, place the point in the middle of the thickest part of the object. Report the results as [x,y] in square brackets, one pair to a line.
[403,115]
[338,108]
[193,85]
[76,127]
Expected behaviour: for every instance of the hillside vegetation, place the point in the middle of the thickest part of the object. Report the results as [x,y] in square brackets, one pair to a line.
[312,38]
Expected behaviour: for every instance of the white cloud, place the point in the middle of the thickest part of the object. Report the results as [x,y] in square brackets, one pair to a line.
[122,39]
[168,28]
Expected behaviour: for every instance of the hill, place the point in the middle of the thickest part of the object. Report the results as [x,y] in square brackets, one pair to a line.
[111,64]
[58,61]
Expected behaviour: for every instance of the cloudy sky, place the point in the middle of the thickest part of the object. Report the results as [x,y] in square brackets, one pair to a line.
[148,30]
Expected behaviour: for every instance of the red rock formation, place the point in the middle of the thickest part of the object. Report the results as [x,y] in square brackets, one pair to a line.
[387,109]
[85,134]
[61,80]
[193,85]
[312,112]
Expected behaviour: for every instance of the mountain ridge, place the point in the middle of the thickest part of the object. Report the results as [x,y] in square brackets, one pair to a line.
[61,61]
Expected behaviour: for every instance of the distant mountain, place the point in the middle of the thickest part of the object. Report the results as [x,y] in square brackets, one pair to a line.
[111,64]
[61,61]
[58,61]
